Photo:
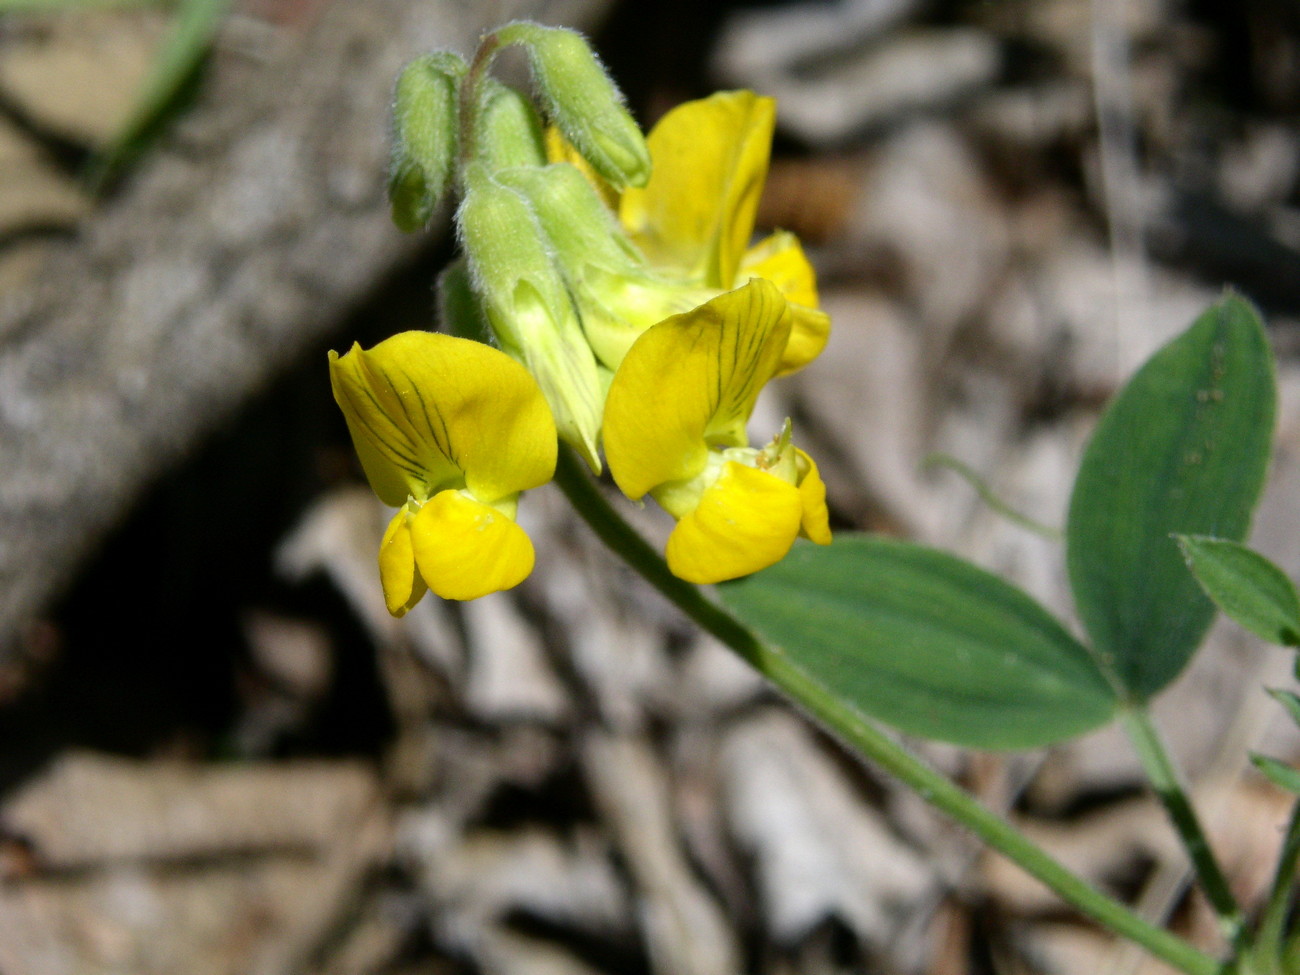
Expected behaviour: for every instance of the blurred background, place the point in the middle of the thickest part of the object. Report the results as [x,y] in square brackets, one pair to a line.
[220,755]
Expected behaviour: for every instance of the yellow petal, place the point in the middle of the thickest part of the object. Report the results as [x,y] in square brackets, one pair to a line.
[466,549]
[690,382]
[815,520]
[745,522]
[430,411]
[403,587]
[781,260]
[710,161]
[399,460]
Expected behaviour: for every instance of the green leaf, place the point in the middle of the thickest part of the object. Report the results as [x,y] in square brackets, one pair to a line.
[1183,448]
[1279,773]
[171,78]
[925,642]
[1249,588]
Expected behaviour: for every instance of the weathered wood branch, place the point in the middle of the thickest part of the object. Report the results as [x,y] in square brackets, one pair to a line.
[237,245]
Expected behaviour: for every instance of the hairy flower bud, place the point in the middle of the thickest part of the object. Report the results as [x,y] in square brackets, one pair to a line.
[617,296]
[509,129]
[424,137]
[528,306]
[583,102]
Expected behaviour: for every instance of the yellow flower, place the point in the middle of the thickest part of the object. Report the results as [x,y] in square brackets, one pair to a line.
[695,216]
[674,428]
[449,431]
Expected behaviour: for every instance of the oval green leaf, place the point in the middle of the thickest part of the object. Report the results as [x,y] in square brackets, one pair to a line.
[1183,449]
[1251,590]
[926,642]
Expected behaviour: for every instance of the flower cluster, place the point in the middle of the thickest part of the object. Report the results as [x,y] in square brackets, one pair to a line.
[629,313]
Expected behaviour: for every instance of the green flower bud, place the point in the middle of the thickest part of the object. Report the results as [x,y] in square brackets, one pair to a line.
[581,99]
[509,129]
[617,295]
[579,225]
[528,306]
[424,137]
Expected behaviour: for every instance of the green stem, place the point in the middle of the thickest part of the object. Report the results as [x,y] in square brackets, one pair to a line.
[1164,779]
[1272,925]
[859,734]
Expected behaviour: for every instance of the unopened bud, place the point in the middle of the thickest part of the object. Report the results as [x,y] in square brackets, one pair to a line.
[528,306]
[581,99]
[580,227]
[509,129]
[424,137]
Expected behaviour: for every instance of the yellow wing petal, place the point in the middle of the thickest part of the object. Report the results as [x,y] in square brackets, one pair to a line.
[402,585]
[745,522]
[710,159]
[781,260]
[466,549]
[690,382]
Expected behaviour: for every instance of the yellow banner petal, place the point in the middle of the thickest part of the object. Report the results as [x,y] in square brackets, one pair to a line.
[710,160]
[466,549]
[402,585]
[433,411]
[745,522]
[398,460]
[690,382]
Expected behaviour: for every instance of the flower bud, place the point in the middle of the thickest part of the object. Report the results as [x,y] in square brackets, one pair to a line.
[582,100]
[509,129]
[579,226]
[528,306]
[425,137]
[617,296]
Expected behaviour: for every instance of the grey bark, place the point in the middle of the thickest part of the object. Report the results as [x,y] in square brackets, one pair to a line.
[237,245]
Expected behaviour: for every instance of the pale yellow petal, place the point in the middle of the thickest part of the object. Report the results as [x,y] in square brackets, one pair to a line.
[745,522]
[690,382]
[710,161]
[402,585]
[466,549]
[815,520]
